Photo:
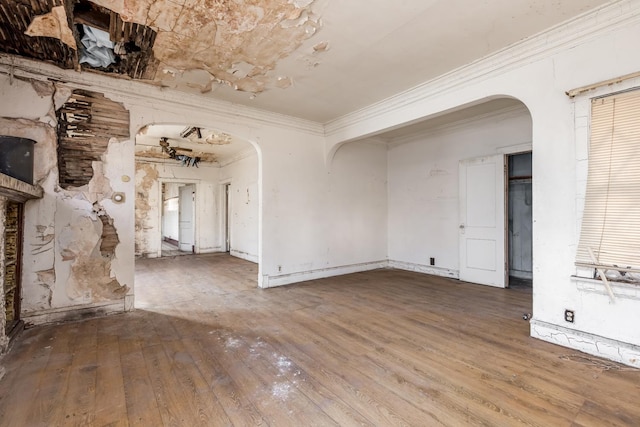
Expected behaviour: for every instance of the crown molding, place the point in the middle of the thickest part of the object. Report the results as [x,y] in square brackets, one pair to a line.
[583,27]
[247,152]
[503,113]
[137,92]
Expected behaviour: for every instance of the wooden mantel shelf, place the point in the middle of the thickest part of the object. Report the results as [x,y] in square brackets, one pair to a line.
[17,190]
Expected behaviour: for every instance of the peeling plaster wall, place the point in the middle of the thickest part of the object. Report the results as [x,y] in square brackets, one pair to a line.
[149,206]
[242,175]
[64,267]
[423,185]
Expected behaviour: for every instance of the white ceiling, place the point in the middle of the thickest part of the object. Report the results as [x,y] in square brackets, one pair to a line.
[378,48]
[321,59]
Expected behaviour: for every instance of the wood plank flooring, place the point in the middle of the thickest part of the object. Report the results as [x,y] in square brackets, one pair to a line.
[382,348]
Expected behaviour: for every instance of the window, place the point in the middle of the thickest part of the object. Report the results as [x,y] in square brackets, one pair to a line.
[610,234]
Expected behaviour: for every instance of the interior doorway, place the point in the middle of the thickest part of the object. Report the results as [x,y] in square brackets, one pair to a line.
[520,219]
[496,220]
[178,218]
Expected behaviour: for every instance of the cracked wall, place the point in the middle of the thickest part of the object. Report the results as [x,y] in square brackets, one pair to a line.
[72,238]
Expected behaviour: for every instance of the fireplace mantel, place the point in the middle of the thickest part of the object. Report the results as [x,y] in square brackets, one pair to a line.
[17,190]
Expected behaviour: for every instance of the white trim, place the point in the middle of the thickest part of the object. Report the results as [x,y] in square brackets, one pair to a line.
[130,90]
[239,156]
[503,113]
[321,273]
[515,149]
[244,255]
[589,25]
[622,352]
[425,269]
[76,312]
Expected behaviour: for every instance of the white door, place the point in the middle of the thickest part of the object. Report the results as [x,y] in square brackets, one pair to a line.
[482,221]
[186,217]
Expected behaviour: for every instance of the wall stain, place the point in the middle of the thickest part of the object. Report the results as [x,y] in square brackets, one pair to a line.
[146,177]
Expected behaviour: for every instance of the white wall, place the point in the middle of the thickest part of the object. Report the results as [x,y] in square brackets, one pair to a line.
[356,204]
[242,177]
[423,186]
[323,221]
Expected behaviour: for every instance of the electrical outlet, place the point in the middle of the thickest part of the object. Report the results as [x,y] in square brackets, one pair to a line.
[432,261]
[569,316]
[279,268]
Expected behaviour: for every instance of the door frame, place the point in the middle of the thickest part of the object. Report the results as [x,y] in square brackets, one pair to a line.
[192,202]
[196,204]
[506,202]
[225,217]
[505,152]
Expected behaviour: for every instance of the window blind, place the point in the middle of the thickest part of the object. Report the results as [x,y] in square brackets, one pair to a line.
[611,221]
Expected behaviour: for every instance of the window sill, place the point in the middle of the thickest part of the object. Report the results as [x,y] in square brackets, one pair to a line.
[620,289]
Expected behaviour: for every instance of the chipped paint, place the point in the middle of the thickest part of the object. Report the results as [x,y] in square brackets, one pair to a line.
[321,47]
[283,82]
[53,24]
[89,275]
[216,139]
[73,238]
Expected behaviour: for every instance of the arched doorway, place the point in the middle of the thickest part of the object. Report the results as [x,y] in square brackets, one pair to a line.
[197,192]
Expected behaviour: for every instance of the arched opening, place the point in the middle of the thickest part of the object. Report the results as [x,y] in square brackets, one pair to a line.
[459,193]
[197,193]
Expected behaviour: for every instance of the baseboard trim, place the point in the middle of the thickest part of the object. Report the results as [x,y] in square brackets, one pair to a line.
[322,273]
[425,269]
[243,255]
[73,313]
[618,351]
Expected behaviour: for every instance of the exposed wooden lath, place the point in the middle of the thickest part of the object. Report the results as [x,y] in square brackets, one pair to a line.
[109,239]
[86,122]
[139,63]
[15,17]
[134,58]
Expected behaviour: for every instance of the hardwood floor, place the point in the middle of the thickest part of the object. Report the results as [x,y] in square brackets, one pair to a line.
[206,347]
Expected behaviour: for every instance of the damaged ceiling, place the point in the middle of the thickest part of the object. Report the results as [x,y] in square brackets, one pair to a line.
[314,59]
[208,145]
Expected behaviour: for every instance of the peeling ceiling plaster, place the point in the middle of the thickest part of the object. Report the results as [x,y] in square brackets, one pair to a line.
[53,24]
[213,147]
[205,43]
[321,59]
